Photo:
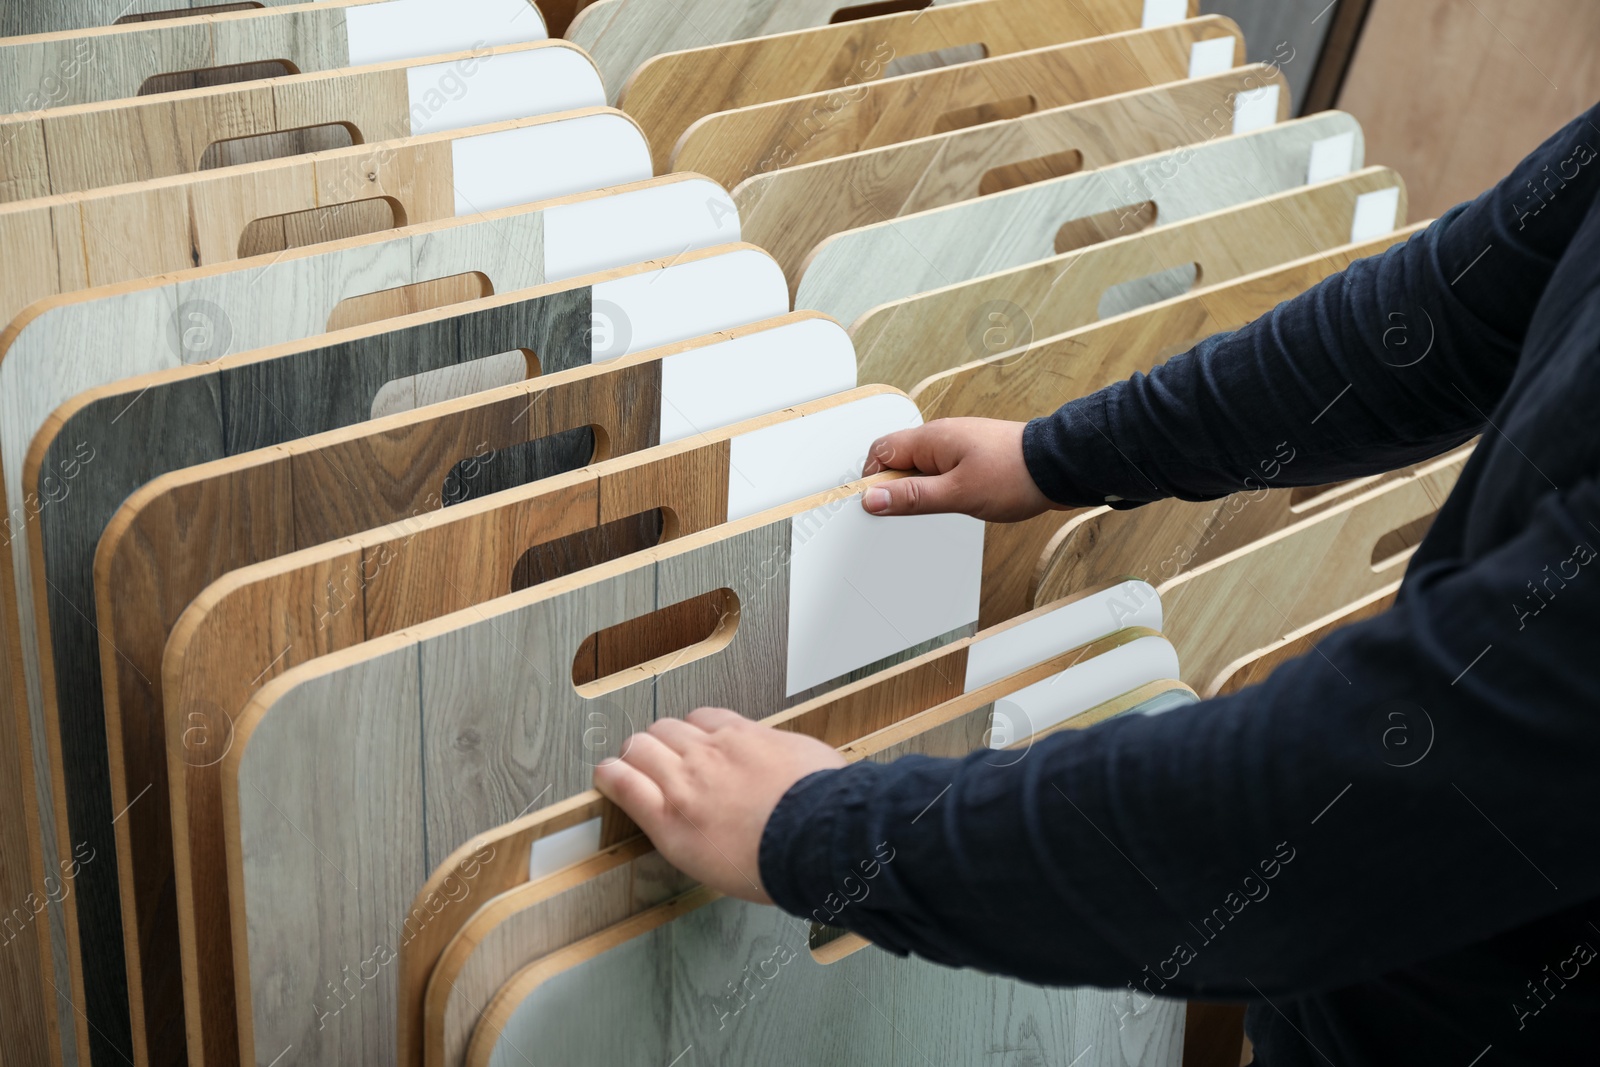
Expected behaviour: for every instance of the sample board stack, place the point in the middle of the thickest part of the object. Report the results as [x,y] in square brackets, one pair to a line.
[405,401]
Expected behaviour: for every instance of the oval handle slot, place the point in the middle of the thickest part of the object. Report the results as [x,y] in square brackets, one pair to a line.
[940,57]
[1089,230]
[1028,171]
[496,470]
[873,10]
[183,13]
[409,299]
[993,111]
[1397,545]
[228,74]
[314,225]
[653,644]
[278,144]
[590,548]
[447,383]
[1148,289]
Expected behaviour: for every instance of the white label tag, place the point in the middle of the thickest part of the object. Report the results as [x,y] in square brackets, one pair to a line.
[1255,109]
[563,848]
[1332,157]
[1211,56]
[1376,214]
[1163,12]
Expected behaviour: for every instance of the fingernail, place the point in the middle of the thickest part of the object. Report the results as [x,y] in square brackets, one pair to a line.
[876,500]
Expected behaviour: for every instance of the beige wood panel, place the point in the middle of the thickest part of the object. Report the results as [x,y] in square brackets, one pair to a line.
[48,70]
[1454,95]
[1259,665]
[789,211]
[734,145]
[27,1004]
[1290,580]
[902,342]
[669,92]
[1046,374]
[92,146]
[101,237]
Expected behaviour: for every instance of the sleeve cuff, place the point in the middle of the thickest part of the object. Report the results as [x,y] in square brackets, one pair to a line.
[794,857]
[1071,459]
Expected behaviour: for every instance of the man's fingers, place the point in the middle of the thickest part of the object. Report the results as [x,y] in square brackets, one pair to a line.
[676,734]
[634,792]
[904,450]
[647,753]
[925,495]
[713,719]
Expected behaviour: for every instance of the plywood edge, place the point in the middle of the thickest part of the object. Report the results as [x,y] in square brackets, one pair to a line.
[1226,674]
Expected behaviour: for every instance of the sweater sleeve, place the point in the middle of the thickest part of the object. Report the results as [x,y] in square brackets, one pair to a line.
[1418,785]
[1395,359]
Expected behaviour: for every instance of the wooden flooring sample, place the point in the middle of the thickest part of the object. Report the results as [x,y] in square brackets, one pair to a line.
[734,145]
[157,423]
[65,345]
[853,272]
[668,92]
[1046,374]
[405,465]
[49,70]
[790,211]
[91,146]
[439,947]
[905,341]
[1262,593]
[524,733]
[39,16]
[103,236]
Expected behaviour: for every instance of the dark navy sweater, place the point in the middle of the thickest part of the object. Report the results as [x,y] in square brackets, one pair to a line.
[1265,846]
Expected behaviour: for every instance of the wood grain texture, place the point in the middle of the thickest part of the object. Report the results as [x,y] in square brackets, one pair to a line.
[1295,578]
[106,444]
[104,236]
[335,485]
[18,19]
[790,211]
[1019,384]
[734,145]
[58,69]
[903,342]
[74,342]
[667,93]
[972,238]
[1454,137]
[92,146]
[1257,666]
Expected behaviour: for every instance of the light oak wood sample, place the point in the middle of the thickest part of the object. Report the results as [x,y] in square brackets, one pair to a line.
[734,145]
[142,427]
[1259,665]
[48,70]
[789,211]
[1019,385]
[177,534]
[902,342]
[520,1019]
[667,93]
[91,146]
[74,342]
[960,241]
[1295,578]
[103,236]
[796,574]
[28,1008]
[442,928]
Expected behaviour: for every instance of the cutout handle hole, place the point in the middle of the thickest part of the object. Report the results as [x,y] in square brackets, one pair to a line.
[1398,544]
[995,111]
[652,644]
[409,299]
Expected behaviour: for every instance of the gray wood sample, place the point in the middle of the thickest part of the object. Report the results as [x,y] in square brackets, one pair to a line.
[853,272]
[744,989]
[133,440]
[503,727]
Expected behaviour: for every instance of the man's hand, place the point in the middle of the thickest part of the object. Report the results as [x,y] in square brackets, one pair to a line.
[973,466]
[703,788]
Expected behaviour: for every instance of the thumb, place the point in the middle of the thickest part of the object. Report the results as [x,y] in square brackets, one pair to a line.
[916,495]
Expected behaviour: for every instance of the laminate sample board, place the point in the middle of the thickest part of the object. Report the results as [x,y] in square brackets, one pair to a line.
[594,886]
[797,576]
[789,211]
[37,16]
[731,146]
[667,93]
[337,484]
[1259,594]
[1161,540]
[205,313]
[1259,665]
[155,423]
[511,864]
[90,146]
[103,236]
[1021,384]
[28,1013]
[969,239]
[50,70]
[904,341]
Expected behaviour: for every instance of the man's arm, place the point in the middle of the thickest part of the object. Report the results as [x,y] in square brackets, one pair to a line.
[1433,788]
